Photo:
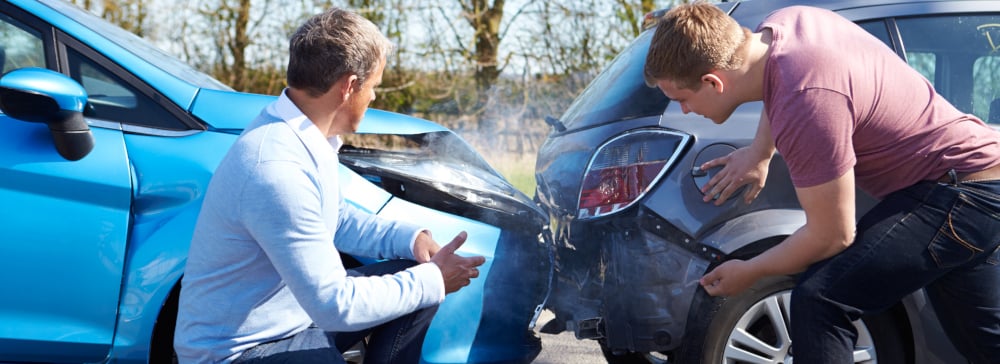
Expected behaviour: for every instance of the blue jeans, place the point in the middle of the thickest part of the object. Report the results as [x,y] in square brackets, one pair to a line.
[942,237]
[397,341]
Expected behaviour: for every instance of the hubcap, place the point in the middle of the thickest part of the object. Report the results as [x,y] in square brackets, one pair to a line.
[762,335]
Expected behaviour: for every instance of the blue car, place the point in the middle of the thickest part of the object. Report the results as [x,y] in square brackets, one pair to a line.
[106,147]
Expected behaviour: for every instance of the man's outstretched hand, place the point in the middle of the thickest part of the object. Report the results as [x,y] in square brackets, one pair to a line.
[456,270]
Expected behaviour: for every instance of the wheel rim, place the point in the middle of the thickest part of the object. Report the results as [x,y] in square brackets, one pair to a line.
[656,358]
[762,335]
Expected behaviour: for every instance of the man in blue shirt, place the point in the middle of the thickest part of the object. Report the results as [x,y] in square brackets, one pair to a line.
[264,281]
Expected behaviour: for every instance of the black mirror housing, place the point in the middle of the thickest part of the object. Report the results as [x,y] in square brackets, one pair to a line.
[43,96]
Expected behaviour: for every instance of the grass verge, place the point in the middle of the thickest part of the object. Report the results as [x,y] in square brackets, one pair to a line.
[519,169]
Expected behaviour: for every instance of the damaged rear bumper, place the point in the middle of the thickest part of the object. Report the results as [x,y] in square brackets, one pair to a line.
[628,282]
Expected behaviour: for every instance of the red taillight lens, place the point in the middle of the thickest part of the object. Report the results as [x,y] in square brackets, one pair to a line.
[625,168]
[617,185]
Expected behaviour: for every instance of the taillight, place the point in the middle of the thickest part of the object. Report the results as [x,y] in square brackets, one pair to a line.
[625,168]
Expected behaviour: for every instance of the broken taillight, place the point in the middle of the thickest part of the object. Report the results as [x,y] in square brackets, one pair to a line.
[625,168]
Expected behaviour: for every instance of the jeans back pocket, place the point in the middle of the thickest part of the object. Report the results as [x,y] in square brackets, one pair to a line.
[970,229]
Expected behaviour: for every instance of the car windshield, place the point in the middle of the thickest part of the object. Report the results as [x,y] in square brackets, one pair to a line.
[619,92]
[137,46]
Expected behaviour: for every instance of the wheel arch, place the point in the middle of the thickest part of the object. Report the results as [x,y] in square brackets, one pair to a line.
[161,341]
[733,235]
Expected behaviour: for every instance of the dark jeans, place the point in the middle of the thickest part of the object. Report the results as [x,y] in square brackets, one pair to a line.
[937,236]
[397,341]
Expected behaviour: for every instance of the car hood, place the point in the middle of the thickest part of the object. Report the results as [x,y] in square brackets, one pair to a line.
[228,110]
[233,111]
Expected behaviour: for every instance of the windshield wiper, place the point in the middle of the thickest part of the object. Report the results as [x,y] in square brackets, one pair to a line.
[555,124]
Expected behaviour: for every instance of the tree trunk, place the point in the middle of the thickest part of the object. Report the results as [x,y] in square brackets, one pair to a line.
[485,21]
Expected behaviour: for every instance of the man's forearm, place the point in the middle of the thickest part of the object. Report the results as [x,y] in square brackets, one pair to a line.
[799,251]
[763,141]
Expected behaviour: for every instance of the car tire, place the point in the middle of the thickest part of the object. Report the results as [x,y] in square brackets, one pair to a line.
[717,326]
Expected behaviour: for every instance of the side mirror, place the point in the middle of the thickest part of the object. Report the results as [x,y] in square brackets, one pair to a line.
[43,96]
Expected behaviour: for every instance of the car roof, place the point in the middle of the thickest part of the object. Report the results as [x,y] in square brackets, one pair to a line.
[752,12]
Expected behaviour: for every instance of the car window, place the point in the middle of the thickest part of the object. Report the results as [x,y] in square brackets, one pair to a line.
[923,62]
[619,92]
[20,46]
[111,98]
[986,88]
[878,29]
[960,56]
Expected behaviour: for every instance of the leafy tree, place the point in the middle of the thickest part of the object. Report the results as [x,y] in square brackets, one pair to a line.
[131,15]
[484,18]
[489,69]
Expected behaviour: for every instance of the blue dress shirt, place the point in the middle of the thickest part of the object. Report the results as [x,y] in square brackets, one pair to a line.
[264,260]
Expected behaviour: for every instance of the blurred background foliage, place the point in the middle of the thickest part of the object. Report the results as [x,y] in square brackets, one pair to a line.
[489,69]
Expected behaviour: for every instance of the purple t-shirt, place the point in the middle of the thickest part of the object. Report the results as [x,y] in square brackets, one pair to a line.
[838,98]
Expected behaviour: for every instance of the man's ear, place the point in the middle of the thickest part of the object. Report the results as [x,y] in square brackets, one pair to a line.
[347,86]
[714,80]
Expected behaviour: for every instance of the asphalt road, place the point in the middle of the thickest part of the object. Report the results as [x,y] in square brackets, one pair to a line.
[564,348]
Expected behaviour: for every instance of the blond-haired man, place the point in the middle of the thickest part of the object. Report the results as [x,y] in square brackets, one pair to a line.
[845,111]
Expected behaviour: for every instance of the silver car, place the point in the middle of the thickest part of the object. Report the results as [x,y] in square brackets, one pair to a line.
[632,235]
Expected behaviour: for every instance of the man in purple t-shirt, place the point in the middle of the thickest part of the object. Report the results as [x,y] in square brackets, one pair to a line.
[846,112]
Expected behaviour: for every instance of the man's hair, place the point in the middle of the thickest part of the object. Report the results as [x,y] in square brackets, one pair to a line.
[692,40]
[331,45]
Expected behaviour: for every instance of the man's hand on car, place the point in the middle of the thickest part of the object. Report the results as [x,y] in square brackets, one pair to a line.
[456,270]
[743,166]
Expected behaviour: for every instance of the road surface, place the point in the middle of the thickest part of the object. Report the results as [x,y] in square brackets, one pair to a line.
[564,348]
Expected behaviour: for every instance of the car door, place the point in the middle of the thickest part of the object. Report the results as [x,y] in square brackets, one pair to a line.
[63,224]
